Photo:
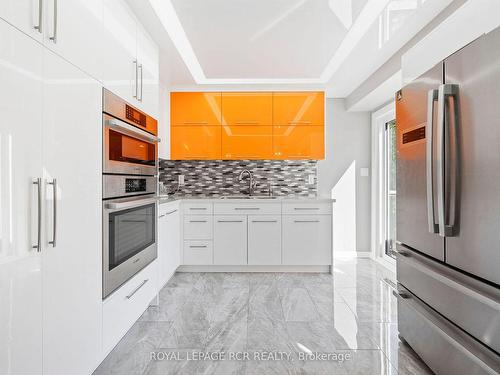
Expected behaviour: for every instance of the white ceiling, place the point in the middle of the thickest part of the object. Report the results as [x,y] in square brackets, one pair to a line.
[329,44]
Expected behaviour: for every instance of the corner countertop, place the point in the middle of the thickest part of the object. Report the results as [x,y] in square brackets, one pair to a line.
[217,199]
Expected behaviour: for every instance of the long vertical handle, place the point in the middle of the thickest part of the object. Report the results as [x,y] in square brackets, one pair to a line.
[54,207]
[54,35]
[141,75]
[432,96]
[136,78]
[38,245]
[445,91]
[40,16]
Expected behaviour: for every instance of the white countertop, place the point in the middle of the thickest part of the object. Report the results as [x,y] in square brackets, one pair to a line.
[291,199]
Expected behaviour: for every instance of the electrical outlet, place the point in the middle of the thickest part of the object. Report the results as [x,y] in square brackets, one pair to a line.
[311,179]
[181,179]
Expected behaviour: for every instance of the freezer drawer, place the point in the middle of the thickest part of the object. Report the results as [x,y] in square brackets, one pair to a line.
[443,347]
[467,302]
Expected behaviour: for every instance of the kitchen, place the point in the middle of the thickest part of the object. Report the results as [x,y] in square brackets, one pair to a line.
[167,208]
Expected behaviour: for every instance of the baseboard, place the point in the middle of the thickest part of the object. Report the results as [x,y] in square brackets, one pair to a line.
[247,268]
[351,254]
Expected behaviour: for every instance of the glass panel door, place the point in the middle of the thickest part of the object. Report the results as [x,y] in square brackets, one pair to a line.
[390,187]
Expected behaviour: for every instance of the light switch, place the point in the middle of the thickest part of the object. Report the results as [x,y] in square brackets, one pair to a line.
[364,172]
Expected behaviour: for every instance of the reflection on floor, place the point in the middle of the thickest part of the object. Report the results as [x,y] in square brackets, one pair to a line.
[352,316]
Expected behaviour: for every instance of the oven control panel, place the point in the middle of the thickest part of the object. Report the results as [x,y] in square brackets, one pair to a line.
[135,185]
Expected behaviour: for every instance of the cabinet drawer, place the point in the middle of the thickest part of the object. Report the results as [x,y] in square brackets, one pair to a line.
[230,240]
[198,252]
[197,227]
[307,239]
[247,208]
[306,208]
[126,305]
[197,208]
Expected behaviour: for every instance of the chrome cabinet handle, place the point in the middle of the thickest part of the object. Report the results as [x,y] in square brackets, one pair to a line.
[299,122]
[137,289]
[139,67]
[196,122]
[38,245]
[247,208]
[40,16]
[197,208]
[432,96]
[197,246]
[54,208]
[159,217]
[54,35]
[230,221]
[306,221]
[197,221]
[170,212]
[264,221]
[136,78]
[246,122]
[305,208]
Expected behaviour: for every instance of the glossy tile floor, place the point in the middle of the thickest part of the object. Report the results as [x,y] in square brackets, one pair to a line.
[351,314]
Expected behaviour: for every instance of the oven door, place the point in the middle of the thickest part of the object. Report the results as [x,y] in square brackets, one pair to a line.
[129,239]
[127,149]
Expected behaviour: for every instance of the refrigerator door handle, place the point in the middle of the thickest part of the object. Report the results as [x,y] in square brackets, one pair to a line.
[449,205]
[432,96]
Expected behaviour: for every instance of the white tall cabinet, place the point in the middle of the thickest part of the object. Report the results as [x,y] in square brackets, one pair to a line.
[50,129]
[20,162]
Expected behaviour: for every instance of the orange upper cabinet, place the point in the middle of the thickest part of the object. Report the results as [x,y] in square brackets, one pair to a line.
[247,108]
[247,142]
[299,142]
[195,108]
[195,142]
[299,108]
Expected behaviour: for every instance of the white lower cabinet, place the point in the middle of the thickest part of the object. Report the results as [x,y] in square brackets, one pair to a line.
[198,252]
[122,308]
[264,240]
[197,227]
[307,240]
[230,239]
[169,242]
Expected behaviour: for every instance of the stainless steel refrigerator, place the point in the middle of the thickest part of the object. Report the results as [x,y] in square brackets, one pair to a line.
[448,211]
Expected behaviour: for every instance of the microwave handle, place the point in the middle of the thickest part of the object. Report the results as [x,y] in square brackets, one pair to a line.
[131,130]
[129,204]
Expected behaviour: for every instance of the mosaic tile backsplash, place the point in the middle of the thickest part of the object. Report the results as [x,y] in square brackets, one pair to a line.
[208,178]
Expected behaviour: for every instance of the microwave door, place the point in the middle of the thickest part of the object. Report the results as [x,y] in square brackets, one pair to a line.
[472,169]
[416,200]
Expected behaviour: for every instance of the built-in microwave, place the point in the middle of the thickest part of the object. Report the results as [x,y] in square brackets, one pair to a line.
[130,144]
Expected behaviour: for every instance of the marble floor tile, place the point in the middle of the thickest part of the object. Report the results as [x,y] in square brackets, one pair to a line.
[297,305]
[350,312]
[132,354]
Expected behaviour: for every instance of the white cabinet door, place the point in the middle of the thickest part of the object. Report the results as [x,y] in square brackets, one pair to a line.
[230,240]
[264,240]
[26,15]
[72,287]
[73,29]
[120,50]
[307,240]
[149,77]
[20,163]
[169,242]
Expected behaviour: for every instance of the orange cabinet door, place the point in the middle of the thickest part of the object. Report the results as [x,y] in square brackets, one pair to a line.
[299,142]
[299,108]
[247,108]
[195,108]
[195,142]
[247,142]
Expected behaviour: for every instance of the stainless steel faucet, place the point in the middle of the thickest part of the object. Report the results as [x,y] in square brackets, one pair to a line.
[251,181]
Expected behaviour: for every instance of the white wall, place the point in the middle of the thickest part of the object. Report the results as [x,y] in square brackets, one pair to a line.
[164,123]
[347,150]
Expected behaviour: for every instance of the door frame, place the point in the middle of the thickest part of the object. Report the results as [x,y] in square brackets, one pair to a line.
[378,202]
